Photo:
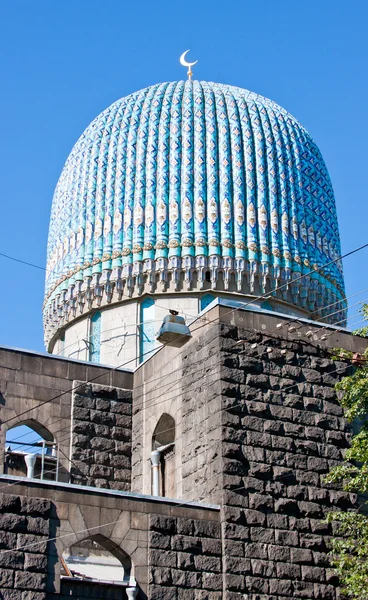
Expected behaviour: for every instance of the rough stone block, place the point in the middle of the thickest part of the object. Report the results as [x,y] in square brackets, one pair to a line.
[12,560]
[255,550]
[212,547]
[10,503]
[160,575]
[281,587]
[262,534]
[35,562]
[38,525]
[313,574]
[310,509]
[34,595]
[324,592]
[286,538]
[32,543]
[278,553]
[10,522]
[100,443]
[6,578]
[11,594]
[288,571]
[8,540]
[81,414]
[166,525]
[212,581]
[286,506]
[254,517]
[257,584]
[208,563]
[158,540]
[263,568]
[189,579]
[30,581]
[159,592]
[302,589]
[185,543]
[184,594]
[161,558]
[207,529]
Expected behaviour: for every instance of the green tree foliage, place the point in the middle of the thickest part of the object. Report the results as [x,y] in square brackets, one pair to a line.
[350,549]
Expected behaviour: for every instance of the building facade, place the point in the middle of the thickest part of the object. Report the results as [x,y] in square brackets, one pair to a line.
[246,423]
[193,472]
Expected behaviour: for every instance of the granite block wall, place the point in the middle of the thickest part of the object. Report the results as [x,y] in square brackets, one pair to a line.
[185,559]
[268,427]
[25,557]
[101,436]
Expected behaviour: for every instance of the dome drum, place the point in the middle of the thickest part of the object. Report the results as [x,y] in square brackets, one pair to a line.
[123,284]
[186,182]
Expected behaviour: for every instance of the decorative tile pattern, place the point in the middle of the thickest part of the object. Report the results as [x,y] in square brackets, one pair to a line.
[187,176]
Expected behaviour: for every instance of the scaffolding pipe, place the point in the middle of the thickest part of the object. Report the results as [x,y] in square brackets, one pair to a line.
[43,458]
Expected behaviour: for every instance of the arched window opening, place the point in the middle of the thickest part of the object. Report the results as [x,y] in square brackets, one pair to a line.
[61,344]
[206,300]
[94,344]
[31,451]
[94,567]
[147,337]
[163,457]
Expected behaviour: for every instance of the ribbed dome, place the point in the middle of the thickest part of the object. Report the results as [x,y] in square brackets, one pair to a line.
[187,176]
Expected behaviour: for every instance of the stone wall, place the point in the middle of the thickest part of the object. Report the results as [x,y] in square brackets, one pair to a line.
[25,558]
[263,426]
[36,390]
[101,436]
[185,559]
[168,546]
[202,459]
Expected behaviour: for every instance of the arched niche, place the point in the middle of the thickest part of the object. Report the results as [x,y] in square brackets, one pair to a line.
[147,328]
[30,437]
[266,305]
[164,432]
[89,565]
[205,300]
[163,441]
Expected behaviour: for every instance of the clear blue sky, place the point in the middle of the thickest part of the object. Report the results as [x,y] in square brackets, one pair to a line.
[64,61]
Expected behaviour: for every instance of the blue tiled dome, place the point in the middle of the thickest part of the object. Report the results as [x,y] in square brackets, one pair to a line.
[185,178]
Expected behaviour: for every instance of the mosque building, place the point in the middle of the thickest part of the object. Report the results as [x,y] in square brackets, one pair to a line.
[185,410]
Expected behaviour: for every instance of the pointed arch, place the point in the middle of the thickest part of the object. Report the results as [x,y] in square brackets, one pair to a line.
[205,300]
[147,338]
[163,446]
[95,337]
[164,432]
[97,557]
[36,426]
[30,437]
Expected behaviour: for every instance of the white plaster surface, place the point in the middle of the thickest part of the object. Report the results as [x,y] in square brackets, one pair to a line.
[120,327]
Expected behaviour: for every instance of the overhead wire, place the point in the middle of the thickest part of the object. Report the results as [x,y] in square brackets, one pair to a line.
[206,322]
[165,375]
[234,405]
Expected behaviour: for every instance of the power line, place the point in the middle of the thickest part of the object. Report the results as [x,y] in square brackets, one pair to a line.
[23,262]
[243,305]
[235,405]
[156,389]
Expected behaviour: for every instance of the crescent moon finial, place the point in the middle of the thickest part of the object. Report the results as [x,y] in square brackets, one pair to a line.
[185,63]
